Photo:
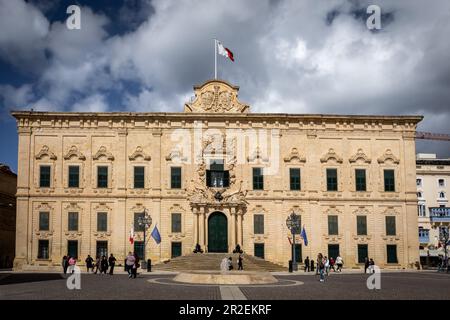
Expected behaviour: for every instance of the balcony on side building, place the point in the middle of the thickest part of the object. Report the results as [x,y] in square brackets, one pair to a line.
[439,215]
[424,236]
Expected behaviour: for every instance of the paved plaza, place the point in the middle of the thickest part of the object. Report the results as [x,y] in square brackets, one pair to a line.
[151,286]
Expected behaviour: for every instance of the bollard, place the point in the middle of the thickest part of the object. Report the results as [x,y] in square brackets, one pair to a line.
[290,265]
[149,265]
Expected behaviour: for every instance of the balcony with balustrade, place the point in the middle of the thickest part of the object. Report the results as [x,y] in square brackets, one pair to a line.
[440,216]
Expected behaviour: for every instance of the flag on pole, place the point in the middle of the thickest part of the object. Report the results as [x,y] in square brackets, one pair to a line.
[225,51]
[290,241]
[156,235]
[131,238]
[303,235]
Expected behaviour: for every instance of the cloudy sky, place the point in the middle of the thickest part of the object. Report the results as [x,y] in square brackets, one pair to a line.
[291,56]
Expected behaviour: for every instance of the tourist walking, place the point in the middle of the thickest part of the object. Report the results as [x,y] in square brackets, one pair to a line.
[307,264]
[366,264]
[240,266]
[103,265]
[65,264]
[89,263]
[135,266]
[371,266]
[327,265]
[72,263]
[129,263]
[321,267]
[97,265]
[332,263]
[339,263]
[230,264]
[112,263]
[312,265]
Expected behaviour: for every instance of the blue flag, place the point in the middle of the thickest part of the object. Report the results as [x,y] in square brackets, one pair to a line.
[303,235]
[156,235]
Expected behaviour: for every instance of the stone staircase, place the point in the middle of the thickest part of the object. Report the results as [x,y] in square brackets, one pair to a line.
[211,261]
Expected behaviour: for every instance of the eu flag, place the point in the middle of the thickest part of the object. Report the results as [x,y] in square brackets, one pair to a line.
[303,235]
[156,235]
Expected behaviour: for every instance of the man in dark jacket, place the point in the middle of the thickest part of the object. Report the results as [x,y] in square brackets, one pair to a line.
[103,265]
[65,263]
[89,263]
[112,263]
[307,264]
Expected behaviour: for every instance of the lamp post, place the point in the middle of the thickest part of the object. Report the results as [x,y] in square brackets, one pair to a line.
[145,221]
[293,224]
[443,238]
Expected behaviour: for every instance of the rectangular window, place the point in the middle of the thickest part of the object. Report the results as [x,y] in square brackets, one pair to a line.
[139,249]
[176,222]
[258,179]
[332,183]
[259,250]
[176,249]
[294,175]
[102,221]
[390,226]
[175,177]
[441,183]
[422,210]
[74,176]
[102,177]
[102,249]
[43,252]
[137,226]
[419,182]
[361,225]
[44,176]
[72,248]
[360,176]
[73,221]
[389,180]
[333,251]
[217,176]
[44,221]
[139,177]
[363,252]
[333,228]
[391,253]
[258,224]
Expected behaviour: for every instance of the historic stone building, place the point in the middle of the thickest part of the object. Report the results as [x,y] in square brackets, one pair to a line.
[8,182]
[217,175]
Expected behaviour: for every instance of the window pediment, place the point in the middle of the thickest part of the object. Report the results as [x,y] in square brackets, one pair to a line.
[294,155]
[331,154]
[45,151]
[388,155]
[102,152]
[74,152]
[360,155]
[139,152]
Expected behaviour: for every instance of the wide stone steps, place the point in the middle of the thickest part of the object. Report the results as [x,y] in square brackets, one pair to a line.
[211,261]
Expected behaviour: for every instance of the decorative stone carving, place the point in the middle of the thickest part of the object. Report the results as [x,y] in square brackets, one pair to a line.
[176,155]
[295,154]
[360,155]
[216,96]
[45,152]
[74,152]
[139,152]
[331,154]
[102,152]
[257,154]
[388,155]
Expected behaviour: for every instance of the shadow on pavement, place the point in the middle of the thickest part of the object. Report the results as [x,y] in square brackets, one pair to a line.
[28,277]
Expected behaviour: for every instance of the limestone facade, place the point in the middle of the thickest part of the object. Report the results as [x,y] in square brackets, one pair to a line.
[216,126]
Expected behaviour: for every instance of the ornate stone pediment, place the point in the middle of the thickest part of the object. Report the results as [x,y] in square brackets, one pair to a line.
[74,152]
[388,155]
[139,152]
[257,155]
[331,154]
[102,152]
[360,155]
[216,96]
[45,151]
[294,155]
[176,155]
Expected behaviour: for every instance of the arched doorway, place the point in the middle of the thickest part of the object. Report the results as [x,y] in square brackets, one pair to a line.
[217,232]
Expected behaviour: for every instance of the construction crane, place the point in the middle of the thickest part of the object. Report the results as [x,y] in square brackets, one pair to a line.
[432,136]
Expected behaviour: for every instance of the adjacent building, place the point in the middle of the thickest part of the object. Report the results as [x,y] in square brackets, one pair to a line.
[433,191]
[216,175]
[8,184]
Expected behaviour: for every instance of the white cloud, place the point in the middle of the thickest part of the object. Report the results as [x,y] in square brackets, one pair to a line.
[94,103]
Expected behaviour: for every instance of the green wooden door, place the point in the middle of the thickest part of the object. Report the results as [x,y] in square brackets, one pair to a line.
[217,233]
[259,250]
[176,249]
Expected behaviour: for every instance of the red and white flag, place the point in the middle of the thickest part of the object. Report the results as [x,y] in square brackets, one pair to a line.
[131,238]
[224,51]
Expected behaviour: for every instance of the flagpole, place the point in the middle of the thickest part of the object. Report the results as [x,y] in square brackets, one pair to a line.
[215,59]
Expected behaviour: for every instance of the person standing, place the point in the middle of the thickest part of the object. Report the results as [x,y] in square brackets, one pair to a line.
[65,264]
[371,266]
[332,263]
[339,263]
[321,267]
[129,263]
[112,263]
[72,263]
[103,265]
[366,264]
[240,266]
[230,264]
[307,264]
[97,265]
[312,265]
[89,263]
[135,266]
[327,265]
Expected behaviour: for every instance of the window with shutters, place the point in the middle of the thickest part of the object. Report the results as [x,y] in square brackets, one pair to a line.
[44,221]
[333,228]
[102,177]
[332,180]
[390,226]
[102,221]
[258,179]
[389,180]
[360,177]
[44,176]
[139,177]
[74,176]
[361,225]
[258,223]
[73,221]
[294,176]
[176,222]
[175,177]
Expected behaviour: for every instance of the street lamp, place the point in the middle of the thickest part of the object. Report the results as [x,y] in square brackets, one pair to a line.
[443,238]
[145,221]
[293,224]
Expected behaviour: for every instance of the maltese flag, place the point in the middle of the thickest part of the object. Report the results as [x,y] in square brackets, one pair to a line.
[131,238]
[225,51]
